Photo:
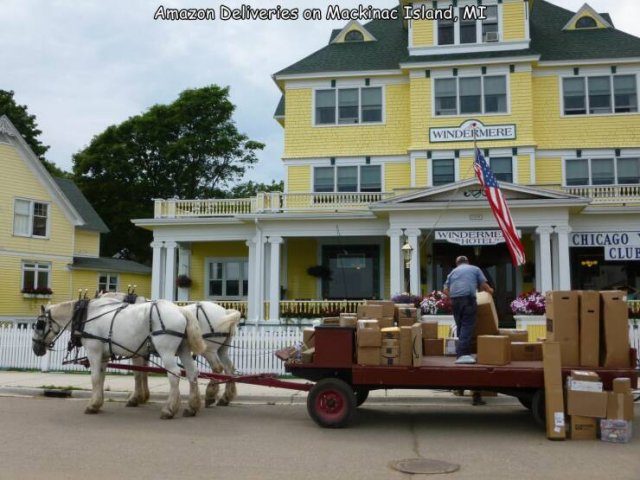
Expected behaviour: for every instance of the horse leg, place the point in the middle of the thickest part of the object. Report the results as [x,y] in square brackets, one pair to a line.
[98,367]
[137,397]
[211,393]
[173,374]
[230,390]
[195,402]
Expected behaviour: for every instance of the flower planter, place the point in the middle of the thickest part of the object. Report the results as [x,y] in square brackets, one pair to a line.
[524,321]
[36,295]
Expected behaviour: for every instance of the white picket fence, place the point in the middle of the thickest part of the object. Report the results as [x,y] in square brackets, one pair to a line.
[252,351]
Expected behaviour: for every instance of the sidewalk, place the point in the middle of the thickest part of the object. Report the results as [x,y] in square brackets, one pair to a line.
[117,388]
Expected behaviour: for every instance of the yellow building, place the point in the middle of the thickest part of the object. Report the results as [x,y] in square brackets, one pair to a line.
[378,153]
[49,238]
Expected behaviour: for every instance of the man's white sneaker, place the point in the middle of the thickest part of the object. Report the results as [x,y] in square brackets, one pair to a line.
[466,360]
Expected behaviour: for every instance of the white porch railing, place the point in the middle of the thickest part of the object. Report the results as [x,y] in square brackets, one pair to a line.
[271,202]
[603,194]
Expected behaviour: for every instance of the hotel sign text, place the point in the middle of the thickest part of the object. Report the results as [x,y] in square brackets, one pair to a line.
[465,132]
[471,237]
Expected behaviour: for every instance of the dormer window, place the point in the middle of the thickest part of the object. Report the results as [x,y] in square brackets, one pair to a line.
[586,22]
[470,30]
[354,36]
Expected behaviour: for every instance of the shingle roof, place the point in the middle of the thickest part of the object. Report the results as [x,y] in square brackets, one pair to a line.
[81,204]
[548,40]
[105,264]
[553,43]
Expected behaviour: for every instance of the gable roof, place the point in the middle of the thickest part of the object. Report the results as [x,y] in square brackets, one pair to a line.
[105,264]
[587,11]
[553,43]
[92,220]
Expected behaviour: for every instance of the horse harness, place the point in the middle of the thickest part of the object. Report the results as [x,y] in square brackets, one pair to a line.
[212,332]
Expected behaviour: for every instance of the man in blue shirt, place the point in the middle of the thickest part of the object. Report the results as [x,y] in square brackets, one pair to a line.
[461,286]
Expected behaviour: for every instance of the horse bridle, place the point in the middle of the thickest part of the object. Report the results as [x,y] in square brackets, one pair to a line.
[44,324]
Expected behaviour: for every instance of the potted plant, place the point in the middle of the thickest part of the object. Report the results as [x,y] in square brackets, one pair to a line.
[529,309]
[183,281]
[437,307]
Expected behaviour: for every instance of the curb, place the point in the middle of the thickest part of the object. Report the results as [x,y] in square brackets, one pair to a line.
[292,399]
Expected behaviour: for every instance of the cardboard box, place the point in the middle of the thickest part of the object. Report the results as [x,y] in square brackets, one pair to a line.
[406,345]
[369,355]
[494,349]
[584,381]
[583,428]
[348,322]
[487,320]
[429,329]
[389,361]
[331,321]
[589,302]
[433,347]
[308,337]
[390,342]
[562,324]
[619,406]
[391,352]
[615,329]
[516,335]
[386,322]
[553,393]
[368,323]
[615,431]
[406,315]
[307,355]
[370,311]
[526,351]
[416,345]
[369,337]
[451,347]
[621,385]
[388,307]
[587,404]
[585,375]
[390,332]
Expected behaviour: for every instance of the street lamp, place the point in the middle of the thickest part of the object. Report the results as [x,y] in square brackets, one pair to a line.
[407,251]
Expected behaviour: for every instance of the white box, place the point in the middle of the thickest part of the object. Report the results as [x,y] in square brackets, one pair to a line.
[583,386]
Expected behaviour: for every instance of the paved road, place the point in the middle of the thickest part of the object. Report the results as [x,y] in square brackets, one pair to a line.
[45,438]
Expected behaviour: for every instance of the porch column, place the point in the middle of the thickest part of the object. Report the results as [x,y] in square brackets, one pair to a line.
[156,271]
[274,279]
[251,303]
[545,258]
[536,247]
[414,267]
[395,263]
[564,265]
[258,278]
[555,265]
[170,271]
[184,268]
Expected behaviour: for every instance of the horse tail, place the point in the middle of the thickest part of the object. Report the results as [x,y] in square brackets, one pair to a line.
[232,317]
[194,334]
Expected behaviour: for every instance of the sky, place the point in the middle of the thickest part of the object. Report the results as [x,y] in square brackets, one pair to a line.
[83,65]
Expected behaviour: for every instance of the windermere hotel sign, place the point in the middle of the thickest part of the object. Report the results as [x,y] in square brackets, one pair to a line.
[465,132]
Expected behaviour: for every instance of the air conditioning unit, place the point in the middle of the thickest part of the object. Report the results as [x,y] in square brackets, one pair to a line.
[491,37]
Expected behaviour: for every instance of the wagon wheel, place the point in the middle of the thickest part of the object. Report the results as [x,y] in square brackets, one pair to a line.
[361,394]
[331,403]
[526,401]
[538,408]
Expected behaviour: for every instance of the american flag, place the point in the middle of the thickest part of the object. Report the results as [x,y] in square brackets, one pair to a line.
[499,208]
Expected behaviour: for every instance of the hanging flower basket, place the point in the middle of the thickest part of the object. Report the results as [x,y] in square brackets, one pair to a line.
[320,271]
[183,281]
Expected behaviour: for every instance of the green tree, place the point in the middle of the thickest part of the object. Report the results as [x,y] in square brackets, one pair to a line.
[250,189]
[28,128]
[190,148]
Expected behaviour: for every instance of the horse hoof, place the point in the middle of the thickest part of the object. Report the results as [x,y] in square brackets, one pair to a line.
[91,410]
[133,402]
[208,402]
[189,412]
[223,403]
[166,416]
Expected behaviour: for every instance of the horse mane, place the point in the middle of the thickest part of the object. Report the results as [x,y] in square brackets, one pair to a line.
[230,322]
[62,310]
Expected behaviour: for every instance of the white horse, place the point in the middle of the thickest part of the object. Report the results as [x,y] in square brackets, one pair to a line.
[218,326]
[113,328]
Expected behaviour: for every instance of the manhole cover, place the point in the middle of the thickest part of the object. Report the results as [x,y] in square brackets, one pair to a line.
[424,465]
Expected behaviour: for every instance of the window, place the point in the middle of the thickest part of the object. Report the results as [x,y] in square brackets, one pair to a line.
[108,282]
[601,94]
[446,35]
[586,22]
[464,31]
[30,219]
[502,168]
[35,276]
[468,31]
[351,178]
[228,278]
[354,36]
[348,106]
[602,171]
[490,32]
[477,95]
[443,172]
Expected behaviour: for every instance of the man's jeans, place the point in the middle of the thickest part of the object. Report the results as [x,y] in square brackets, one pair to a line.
[465,310]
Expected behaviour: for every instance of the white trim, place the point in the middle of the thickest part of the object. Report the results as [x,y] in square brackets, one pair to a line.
[594,156]
[330,74]
[360,123]
[587,11]
[588,152]
[527,27]
[109,275]
[473,61]
[471,48]
[335,176]
[456,167]
[587,71]
[359,160]
[346,83]
[482,95]
[35,256]
[225,260]
[39,267]
[32,203]
[585,77]
[580,63]
[532,168]
[359,27]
